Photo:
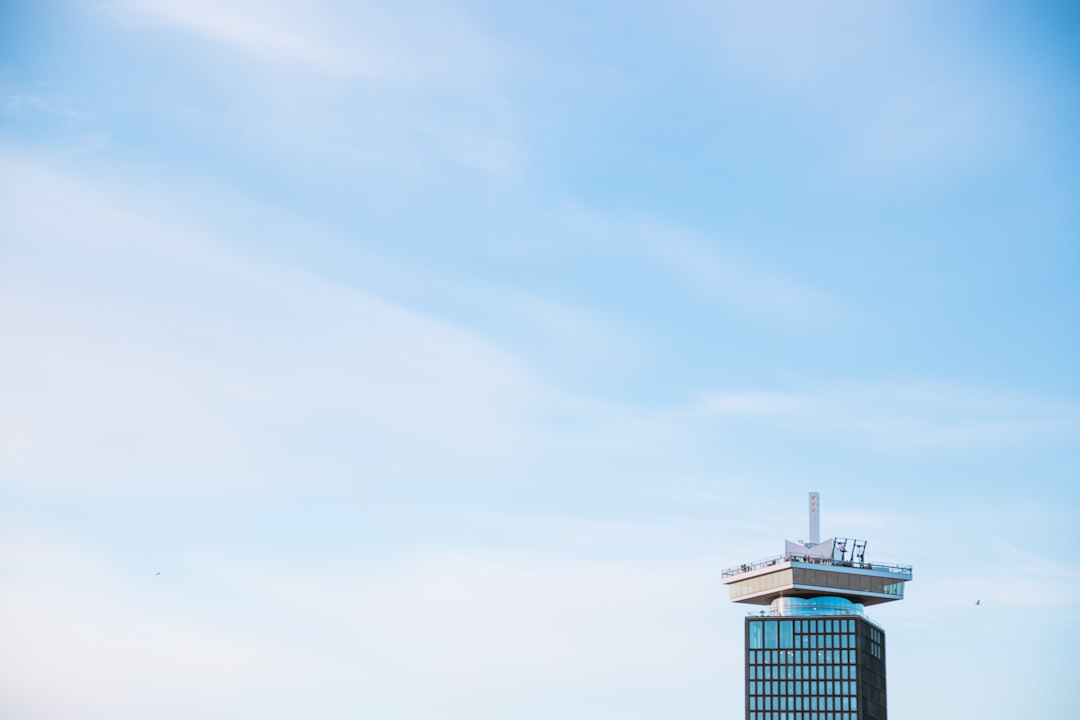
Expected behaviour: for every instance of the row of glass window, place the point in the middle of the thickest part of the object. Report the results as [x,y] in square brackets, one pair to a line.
[802,687]
[802,672]
[783,634]
[802,716]
[825,641]
[824,626]
[800,657]
[803,703]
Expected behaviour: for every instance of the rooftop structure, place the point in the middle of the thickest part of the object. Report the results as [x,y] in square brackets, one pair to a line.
[836,567]
[811,653]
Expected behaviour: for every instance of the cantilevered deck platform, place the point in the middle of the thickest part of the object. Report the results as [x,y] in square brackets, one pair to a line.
[806,575]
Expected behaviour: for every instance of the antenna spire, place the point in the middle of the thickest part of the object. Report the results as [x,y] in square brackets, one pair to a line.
[815,519]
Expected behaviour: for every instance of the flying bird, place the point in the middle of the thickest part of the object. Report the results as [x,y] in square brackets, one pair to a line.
[159,572]
[977,602]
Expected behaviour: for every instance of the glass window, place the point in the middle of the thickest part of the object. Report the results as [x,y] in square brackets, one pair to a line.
[786,637]
[770,635]
[755,634]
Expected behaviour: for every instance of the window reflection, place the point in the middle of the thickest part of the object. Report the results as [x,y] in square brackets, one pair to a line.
[770,635]
[755,634]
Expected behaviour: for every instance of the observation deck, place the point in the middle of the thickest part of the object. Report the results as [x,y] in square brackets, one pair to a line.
[816,571]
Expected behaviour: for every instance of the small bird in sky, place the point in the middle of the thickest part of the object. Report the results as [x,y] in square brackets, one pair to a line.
[159,572]
[977,602]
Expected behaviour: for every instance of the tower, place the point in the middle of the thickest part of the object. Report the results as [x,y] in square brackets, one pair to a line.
[812,653]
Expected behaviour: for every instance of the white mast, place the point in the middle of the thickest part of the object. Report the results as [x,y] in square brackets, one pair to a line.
[815,519]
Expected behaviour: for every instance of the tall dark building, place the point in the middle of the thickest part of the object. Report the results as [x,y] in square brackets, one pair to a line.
[813,654]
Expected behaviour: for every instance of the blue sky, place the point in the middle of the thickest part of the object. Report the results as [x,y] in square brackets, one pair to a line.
[440,355]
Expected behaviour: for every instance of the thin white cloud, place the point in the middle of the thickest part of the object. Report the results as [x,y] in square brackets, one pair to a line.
[712,268]
[434,43]
[904,414]
[20,103]
[450,633]
[1002,575]
[111,641]
[269,34]
[140,353]
[720,273]
[902,105]
[404,88]
[472,629]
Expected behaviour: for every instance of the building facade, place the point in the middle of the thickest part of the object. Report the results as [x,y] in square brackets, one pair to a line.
[813,653]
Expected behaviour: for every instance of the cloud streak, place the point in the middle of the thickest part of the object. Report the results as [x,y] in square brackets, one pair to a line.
[112,364]
[904,415]
[432,45]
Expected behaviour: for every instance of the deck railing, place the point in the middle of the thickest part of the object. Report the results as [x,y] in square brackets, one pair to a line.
[792,557]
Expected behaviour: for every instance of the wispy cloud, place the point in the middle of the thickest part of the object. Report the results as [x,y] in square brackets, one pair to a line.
[904,414]
[265,30]
[713,268]
[409,88]
[112,640]
[19,102]
[39,115]
[112,365]
[720,273]
[903,106]
[429,45]
[451,633]
[469,626]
